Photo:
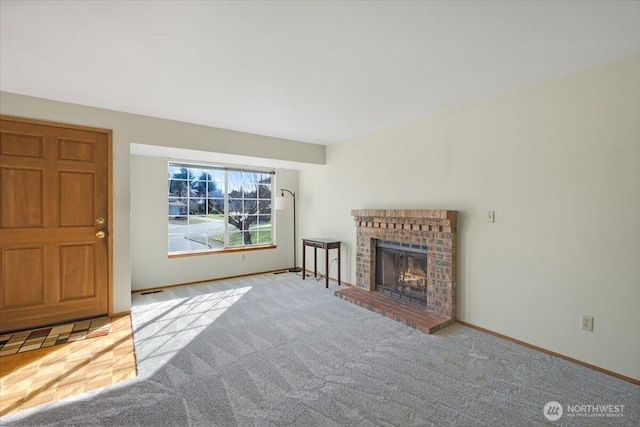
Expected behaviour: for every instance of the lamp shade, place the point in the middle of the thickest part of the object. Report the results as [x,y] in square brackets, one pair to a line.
[283,203]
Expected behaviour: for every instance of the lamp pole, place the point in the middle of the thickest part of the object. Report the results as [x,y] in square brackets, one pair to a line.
[295,268]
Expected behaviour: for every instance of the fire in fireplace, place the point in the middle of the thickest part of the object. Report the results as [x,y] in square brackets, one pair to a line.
[401,269]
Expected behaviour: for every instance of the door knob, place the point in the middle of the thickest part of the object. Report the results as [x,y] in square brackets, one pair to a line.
[100,234]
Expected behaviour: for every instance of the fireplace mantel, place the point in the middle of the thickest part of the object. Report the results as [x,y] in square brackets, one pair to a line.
[434,228]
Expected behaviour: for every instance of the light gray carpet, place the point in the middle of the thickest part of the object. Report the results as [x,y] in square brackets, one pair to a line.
[276,350]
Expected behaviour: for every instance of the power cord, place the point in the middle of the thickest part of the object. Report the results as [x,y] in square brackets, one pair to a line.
[322,276]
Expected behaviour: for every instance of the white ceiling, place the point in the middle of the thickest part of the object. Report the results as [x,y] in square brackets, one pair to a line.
[318,72]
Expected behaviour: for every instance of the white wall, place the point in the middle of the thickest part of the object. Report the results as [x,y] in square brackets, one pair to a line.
[150,266]
[131,128]
[559,163]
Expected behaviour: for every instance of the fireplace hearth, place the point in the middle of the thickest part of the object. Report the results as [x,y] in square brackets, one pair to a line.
[411,255]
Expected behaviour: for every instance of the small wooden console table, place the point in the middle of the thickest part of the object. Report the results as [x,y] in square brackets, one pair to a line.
[322,244]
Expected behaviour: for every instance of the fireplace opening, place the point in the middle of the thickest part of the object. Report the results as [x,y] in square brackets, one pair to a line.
[401,270]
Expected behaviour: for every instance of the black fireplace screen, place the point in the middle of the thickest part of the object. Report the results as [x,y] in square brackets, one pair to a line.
[401,269]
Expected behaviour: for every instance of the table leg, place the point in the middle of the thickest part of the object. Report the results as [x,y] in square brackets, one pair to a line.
[326,266]
[304,259]
[315,262]
[338,265]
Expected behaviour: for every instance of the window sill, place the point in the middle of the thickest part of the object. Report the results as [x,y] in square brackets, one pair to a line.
[220,251]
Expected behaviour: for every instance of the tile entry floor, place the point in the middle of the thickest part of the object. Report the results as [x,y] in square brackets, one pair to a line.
[48,336]
[41,376]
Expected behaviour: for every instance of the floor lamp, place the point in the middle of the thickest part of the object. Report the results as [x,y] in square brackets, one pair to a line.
[282,203]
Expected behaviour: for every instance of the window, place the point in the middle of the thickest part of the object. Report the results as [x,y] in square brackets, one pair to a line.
[216,208]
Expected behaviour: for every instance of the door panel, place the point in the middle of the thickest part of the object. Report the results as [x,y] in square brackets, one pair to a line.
[76,150]
[77,264]
[77,197]
[53,187]
[21,197]
[24,267]
[21,145]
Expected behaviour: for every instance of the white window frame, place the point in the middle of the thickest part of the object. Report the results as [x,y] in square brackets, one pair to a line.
[228,228]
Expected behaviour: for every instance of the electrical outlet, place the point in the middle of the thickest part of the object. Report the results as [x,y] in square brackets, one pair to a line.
[586,322]
[491,216]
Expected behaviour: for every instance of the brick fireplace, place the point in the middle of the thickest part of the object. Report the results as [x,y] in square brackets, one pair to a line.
[430,230]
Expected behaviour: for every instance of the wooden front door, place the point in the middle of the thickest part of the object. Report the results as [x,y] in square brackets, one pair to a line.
[54,223]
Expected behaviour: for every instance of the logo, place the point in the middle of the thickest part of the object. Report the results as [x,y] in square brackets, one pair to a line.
[552,411]
[595,410]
